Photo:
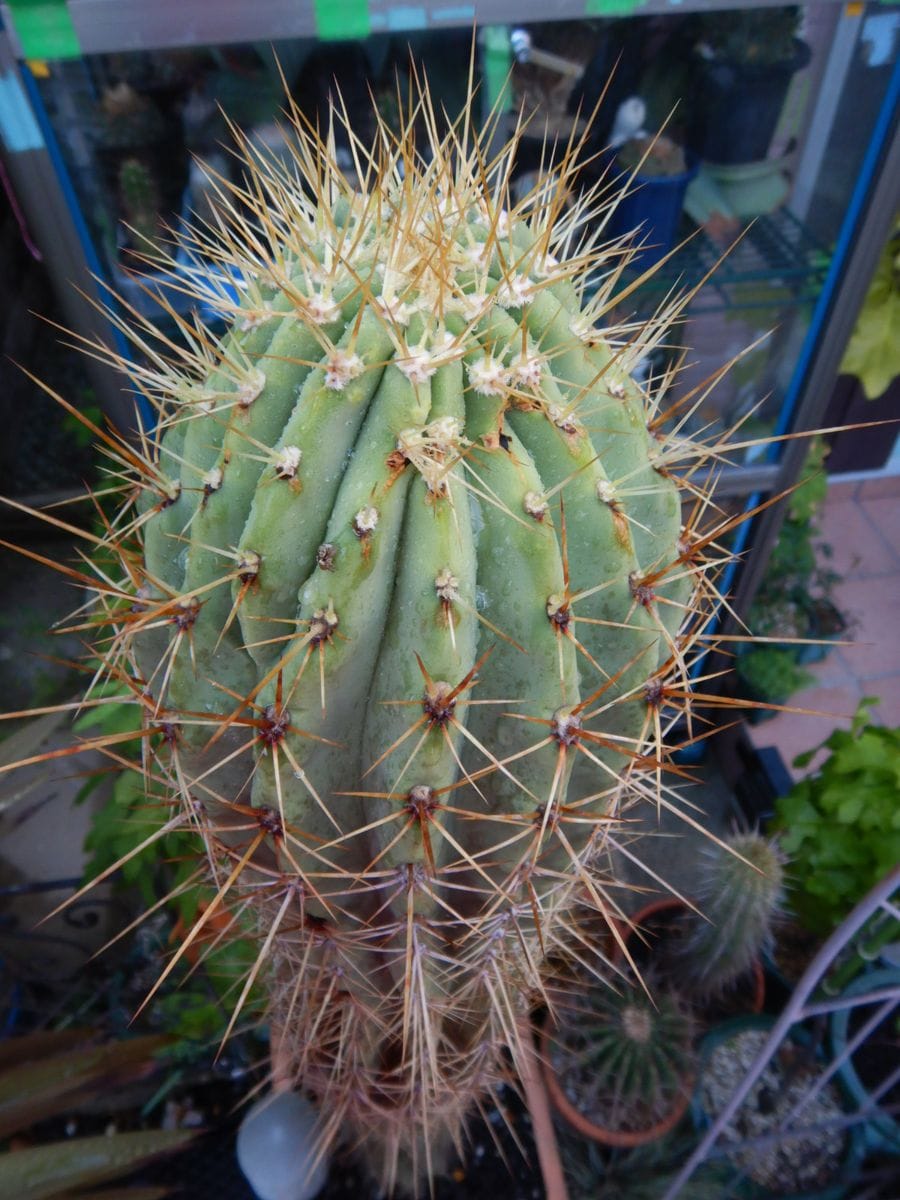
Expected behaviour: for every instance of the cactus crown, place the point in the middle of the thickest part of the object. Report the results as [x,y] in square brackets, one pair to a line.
[404,591]
[740,885]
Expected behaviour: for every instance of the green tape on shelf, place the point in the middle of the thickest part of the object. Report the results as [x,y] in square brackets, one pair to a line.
[45,29]
[341,20]
[611,8]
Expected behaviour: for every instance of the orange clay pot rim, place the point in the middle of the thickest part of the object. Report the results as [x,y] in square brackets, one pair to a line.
[631,928]
[610,1137]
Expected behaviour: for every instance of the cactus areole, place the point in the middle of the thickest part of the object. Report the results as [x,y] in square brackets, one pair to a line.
[406,600]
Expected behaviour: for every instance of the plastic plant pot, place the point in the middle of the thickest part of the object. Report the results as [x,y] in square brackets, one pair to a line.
[747,1188]
[620,1138]
[667,909]
[738,106]
[653,207]
[882,1131]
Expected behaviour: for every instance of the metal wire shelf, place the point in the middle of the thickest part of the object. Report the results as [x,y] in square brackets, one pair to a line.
[776,262]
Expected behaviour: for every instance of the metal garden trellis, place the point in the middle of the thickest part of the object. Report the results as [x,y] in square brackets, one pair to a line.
[802,1006]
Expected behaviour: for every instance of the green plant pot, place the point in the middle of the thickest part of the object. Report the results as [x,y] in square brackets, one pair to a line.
[881,1132]
[750,189]
[748,1188]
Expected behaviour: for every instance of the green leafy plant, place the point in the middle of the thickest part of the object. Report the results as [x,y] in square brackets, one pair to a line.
[125,836]
[794,600]
[873,352]
[45,1075]
[841,825]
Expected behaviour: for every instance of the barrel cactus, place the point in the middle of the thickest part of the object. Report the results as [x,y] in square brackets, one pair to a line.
[407,598]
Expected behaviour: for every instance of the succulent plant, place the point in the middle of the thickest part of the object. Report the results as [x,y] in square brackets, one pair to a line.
[625,1058]
[139,199]
[404,594]
[739,886]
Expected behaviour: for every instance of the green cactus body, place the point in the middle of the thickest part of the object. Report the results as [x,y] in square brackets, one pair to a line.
[414,581]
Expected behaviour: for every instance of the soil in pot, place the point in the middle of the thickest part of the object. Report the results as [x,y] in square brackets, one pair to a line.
[791,1165]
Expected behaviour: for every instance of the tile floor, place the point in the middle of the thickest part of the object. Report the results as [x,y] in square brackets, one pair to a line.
[861,522]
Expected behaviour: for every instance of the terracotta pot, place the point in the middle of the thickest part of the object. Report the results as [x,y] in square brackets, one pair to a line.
[609,1137]
[672,905]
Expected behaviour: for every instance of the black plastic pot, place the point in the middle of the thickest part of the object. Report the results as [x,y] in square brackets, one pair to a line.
[738,106]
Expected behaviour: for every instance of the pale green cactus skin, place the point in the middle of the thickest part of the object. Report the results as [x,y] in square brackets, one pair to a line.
[414,575]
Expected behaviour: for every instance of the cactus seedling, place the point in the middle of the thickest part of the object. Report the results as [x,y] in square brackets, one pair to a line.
[739,889]
[404,592]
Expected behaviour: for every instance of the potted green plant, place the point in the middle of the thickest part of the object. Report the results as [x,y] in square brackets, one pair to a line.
[839,825]
[712,951]
[794,608]
[745,61]
[658,173]
[867,389]
[619,1061]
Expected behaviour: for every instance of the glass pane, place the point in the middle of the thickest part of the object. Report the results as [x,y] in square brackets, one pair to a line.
[766,114]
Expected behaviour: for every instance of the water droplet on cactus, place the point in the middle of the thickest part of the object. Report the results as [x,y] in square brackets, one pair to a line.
[276,1149]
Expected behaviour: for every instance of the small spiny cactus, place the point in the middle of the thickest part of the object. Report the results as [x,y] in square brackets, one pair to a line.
[405,587]
[738,892]
[626,1060]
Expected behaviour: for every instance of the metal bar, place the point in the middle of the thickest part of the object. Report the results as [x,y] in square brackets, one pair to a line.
[822,960]
[105,26]
[871,225]
[828,97]
[824,1007]
[53,228]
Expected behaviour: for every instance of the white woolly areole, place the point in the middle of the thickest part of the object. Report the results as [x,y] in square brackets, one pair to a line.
[514,292]
[606,492]
[585,331]
[535,505]
[249,319]
[428,448]
[488,376]
[204,399]
[476,254]
[400,312]
[250,387]
[365,520]
[212,480]
[546,265]
[342,367]
[562,419]
[287,460]
[526,370]
[616,390]
[321,309]
[418,365]
[473,305]
[446,585]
